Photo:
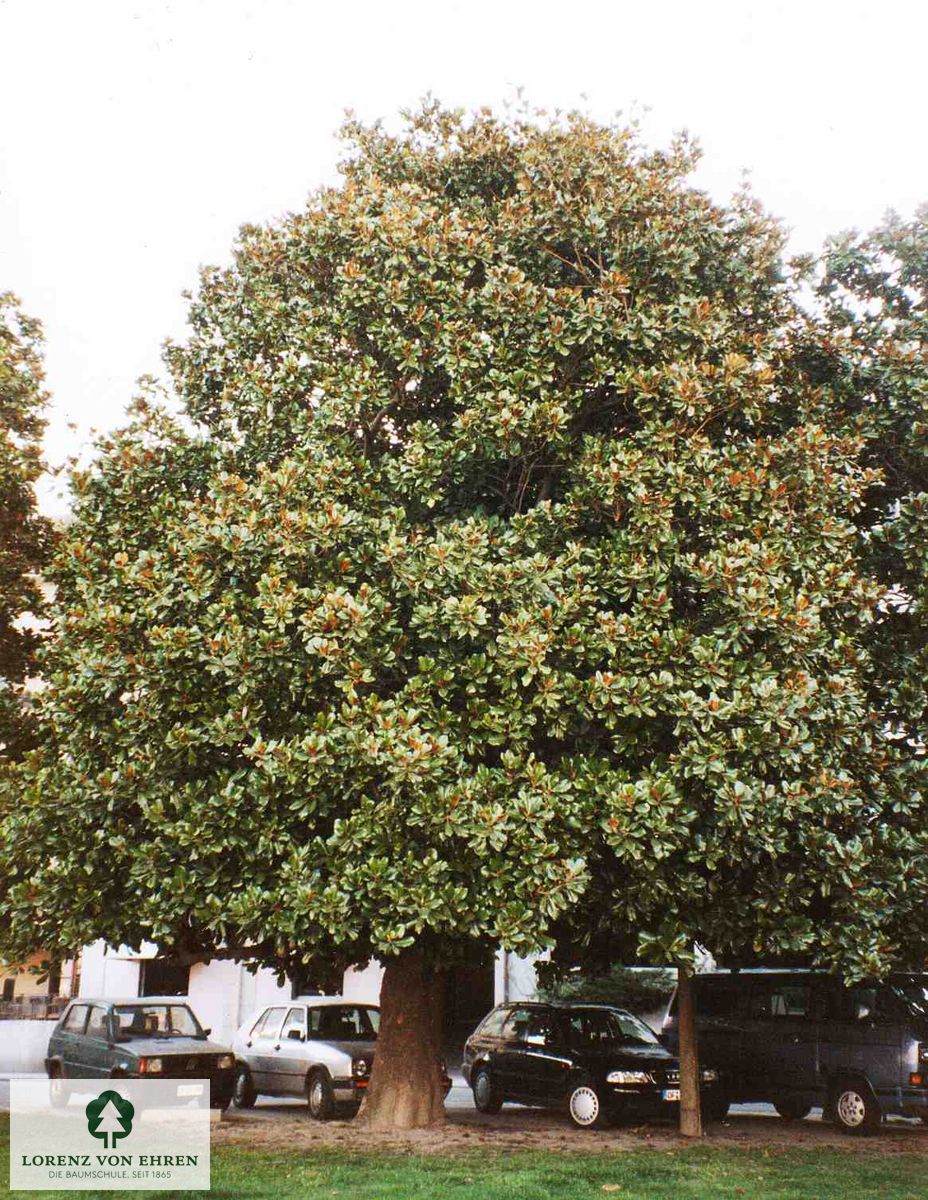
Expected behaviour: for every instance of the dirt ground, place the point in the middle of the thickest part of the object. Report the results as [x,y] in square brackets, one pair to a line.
[272,1128]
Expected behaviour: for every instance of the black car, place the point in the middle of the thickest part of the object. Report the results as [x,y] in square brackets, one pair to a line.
[596,1061]
[141,1038]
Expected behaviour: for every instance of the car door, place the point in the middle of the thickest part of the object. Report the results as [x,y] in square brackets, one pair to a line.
[69,1037]
[510,1066]
[545,1062]
[289,1062]
[92,1051]
[265,1042]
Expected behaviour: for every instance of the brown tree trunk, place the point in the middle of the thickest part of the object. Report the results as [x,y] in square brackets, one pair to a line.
[406,1089]
[690,1114]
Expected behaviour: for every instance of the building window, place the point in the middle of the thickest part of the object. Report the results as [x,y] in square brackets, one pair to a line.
[161,977]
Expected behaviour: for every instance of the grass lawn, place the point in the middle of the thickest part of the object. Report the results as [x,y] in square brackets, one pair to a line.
[649,1174]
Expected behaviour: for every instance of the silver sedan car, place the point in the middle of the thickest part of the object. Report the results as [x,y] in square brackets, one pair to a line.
[319,1047]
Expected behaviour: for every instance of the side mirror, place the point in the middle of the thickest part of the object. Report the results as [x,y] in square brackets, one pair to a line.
[207,1032]
[295,1035]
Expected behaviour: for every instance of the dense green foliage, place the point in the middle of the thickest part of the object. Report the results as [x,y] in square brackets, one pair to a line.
[874,359]
[642,991]
[506,554]
[24,536]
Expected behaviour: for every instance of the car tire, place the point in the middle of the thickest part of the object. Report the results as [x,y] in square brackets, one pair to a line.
[585,1106]
[320,1097]
[792,1110]
[58,1091]
[243,1090]
[486,1097]
[855,1108]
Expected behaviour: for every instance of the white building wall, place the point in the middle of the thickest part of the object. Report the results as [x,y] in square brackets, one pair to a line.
[111,972]
[514,977]
[224,993]
[363,985]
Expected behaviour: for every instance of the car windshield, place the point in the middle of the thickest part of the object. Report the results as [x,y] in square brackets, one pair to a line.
[607,1026]
[344,1023]
[157,1020]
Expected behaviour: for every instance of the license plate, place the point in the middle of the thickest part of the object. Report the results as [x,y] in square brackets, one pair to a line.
[670,1094]
[190,1089]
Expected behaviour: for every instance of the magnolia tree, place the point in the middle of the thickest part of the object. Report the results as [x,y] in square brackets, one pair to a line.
[499,560]
[24,535]
[873,291]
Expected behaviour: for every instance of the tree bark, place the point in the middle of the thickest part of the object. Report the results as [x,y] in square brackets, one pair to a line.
[690,1113]
[406,1090]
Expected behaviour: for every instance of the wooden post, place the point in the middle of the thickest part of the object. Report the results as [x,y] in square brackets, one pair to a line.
[690,1114]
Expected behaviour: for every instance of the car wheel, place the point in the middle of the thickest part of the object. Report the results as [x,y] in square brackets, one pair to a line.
[486,1097]
[58,1091]
[320,1097]
[792,1110]
[584,1106]
[243,1090]
[855,1108]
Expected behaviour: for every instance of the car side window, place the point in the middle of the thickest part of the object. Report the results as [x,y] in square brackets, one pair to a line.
[493,1024]
[540,1028]
[98,1026]
[717,997]
[269,1024]
[296,1021]
[855,1004]
[780,999]
[516,1024]
[76,1019]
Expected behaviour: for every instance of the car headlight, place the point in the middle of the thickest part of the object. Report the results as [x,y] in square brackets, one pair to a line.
[628,1077]
[360,1068]
[710,1076]
[150,1066]
[225,1060]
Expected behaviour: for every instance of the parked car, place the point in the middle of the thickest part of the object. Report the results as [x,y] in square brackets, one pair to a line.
[799,1039]
[150,1037]
[596,1061]
[320,1047]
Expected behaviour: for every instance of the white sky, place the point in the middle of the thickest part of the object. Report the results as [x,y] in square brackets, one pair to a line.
[136,137]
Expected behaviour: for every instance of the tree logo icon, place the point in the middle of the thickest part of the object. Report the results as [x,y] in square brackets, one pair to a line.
[109,1117]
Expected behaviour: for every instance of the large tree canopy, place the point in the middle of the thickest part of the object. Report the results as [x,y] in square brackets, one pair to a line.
[24,535]
[504,554]
[873,290]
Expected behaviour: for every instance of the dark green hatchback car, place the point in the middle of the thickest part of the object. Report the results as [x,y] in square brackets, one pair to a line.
[151,1037]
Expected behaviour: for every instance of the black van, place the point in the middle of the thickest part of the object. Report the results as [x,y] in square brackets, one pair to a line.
[798,1039]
